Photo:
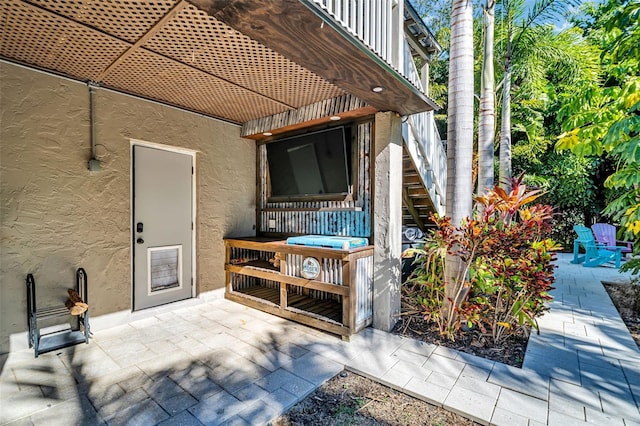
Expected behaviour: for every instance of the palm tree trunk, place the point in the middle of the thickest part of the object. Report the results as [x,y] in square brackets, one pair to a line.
[487,115]
[459,135]
[460,114]
[505,130]
[505,119]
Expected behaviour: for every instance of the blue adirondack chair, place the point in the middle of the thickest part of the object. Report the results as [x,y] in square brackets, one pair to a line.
[595,254]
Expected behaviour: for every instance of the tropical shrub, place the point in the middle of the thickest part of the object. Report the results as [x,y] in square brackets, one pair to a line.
[506,266]
[437,306]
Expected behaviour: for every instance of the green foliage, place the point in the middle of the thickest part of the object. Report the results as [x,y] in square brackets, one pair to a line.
[446,241]
[574,185]
[428,275]
[513,276]
[604,116]
[546,64]
[505,268]
[632,266]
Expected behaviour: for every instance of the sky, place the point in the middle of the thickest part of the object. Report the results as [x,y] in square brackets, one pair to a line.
[427,6]
[559,22]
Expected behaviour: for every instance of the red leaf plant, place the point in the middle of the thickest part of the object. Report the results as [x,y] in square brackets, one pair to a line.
[506,269]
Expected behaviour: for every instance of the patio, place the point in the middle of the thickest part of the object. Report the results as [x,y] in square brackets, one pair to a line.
[220,362]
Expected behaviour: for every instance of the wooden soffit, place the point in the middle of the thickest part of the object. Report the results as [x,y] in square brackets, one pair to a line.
[345,107]
[301,35]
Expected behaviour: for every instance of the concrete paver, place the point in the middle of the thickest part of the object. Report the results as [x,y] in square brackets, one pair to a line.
[223,363]
[146,412]
[567,407]
[431,393]
[395,379]
[372,364]
[476,361]
[183,418]
[477,372]
[524,405]
[599,418]
[411,358]
[258,413]
[561,419]
[475,405]
[314,368]
[282,400]
[443,380]
[177,403]
[502,417]
[275,380]
[217,408]
[520,380]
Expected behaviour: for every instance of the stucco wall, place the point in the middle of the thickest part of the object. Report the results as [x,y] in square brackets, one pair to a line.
[56,215]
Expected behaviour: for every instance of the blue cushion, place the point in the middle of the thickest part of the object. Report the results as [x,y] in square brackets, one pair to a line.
[343,243]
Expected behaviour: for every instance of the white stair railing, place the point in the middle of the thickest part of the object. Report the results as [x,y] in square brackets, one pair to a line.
[424,145]
[409,70]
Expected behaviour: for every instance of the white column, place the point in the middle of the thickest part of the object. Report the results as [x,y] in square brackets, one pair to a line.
[387,219]
[424,76]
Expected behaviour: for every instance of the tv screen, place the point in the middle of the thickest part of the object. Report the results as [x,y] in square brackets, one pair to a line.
[313,164]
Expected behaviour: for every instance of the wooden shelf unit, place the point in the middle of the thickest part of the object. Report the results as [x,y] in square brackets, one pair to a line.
[339,300]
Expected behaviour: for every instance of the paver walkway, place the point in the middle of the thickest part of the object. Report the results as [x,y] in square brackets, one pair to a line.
[584,367]
[222,363]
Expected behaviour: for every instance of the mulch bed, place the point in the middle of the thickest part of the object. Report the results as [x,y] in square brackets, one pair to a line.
[626,298]
[510,351]
[411,324]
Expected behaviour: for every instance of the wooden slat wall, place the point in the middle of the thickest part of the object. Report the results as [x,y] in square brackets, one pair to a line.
[345,218]
[323,109]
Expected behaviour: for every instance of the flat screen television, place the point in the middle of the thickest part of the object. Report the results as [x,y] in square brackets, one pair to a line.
[315,165]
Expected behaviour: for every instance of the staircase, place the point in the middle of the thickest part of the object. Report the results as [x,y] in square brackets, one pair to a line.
[424,171]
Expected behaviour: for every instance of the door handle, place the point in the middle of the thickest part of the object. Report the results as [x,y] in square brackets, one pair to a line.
[140,241]
[139,227]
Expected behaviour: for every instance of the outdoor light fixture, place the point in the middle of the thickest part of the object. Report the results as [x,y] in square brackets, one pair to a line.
[335,118]
[267,134]
[377,89]
[94,165]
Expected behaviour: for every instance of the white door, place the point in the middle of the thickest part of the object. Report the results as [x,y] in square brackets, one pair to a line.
[162,226]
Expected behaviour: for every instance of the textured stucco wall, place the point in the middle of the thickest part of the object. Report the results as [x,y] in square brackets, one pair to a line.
[56,215]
